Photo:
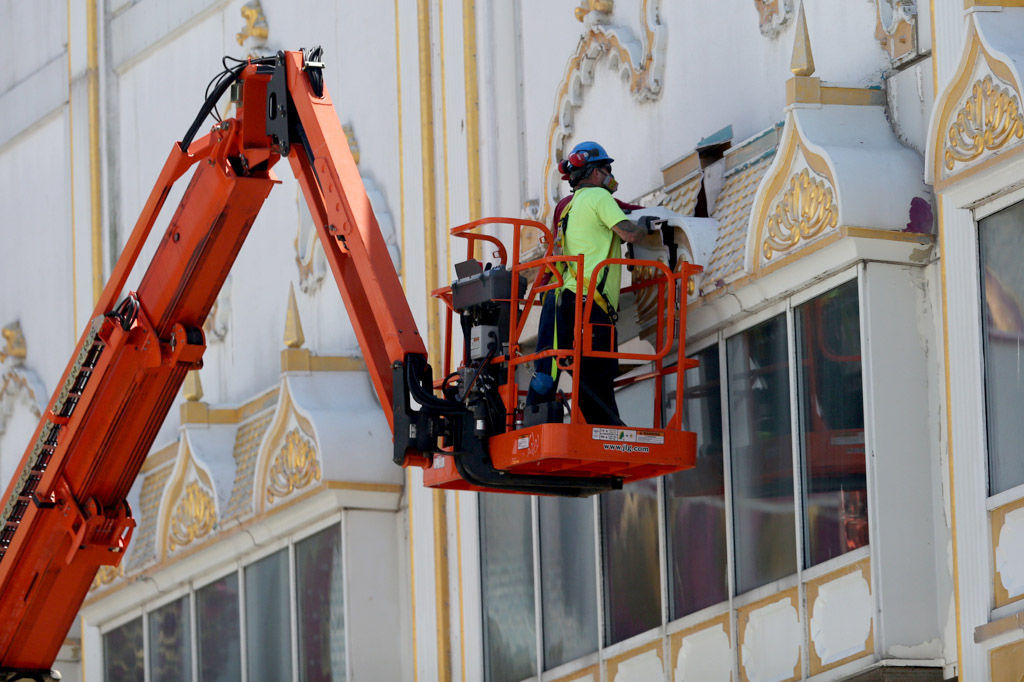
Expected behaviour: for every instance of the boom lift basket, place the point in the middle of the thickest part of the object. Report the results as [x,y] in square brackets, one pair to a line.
[569,446]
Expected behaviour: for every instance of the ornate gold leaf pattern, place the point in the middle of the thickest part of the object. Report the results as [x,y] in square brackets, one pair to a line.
[295,466]
[806,209]
[989,118]
[193,517]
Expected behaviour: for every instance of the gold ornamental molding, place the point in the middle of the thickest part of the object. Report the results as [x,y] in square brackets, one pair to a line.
[805,210]
[978,118]
[19,386]
[194,517]
[295,466]
[188,506]
[796,202]
[288,458]
[988,119]
[639,60]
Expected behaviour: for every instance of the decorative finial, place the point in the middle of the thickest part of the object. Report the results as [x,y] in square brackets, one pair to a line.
[293,337]
[193,387]
[802,63]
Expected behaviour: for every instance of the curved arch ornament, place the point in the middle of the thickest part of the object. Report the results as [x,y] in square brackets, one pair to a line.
[796,202]
[804,211]
[188,507]
[978,118]
[639,61]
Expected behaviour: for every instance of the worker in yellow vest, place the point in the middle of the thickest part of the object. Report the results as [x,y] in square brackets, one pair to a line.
[593,224]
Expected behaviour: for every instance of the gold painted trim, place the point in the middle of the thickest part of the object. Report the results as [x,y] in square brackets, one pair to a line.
[95,172]
[401,140]
[157,459]
[676,638]
[472,86]
[873,97]
[968,4]
[363,487]
[176,525]
[812,588]
[997,519]
[1006,663]
[303,360]
[949,101]
[993,160]
[743,619]
[613,663]
[773,185]
[441,594]
[443,95]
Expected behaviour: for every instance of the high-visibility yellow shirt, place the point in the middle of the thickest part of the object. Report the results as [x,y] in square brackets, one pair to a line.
[592,213]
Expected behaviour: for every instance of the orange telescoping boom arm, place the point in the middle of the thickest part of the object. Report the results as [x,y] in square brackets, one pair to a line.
[64,513]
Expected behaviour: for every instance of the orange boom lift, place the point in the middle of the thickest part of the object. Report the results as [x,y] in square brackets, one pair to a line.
[64,513]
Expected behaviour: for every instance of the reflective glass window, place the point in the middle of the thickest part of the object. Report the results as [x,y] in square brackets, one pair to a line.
[123,652]
[761,454]
[321,607]
[506,565]
[1001,247]
[568,579]
[268,619]
[632,574]
[695,498]
[170,643]
[831,398]
[217,626]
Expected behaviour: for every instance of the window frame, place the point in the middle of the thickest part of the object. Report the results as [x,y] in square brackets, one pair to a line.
[979,212]
[237,566]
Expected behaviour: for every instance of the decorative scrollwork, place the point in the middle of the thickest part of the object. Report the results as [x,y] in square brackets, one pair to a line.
[295,466]
[194,516]
[989,118]
[255,24]
[772,15]
[806,209]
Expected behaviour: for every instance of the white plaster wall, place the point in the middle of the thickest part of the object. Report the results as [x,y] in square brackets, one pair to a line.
[35,232]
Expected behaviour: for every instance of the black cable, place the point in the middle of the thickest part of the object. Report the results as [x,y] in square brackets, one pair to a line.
[217,86]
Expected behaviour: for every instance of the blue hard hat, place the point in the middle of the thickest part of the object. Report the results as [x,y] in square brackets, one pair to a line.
[588,153]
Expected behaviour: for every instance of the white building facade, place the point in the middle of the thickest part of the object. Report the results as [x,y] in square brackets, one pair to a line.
[850,176]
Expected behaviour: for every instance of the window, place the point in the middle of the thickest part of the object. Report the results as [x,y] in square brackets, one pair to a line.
[219,641]
[267,619]
[568,577]
[788,435]
[321,607]
[510,633]
[122,652]
[762,457]
[303,581]
[831,400]
[170,643]
[695,499]
[1001,243]
[632,573]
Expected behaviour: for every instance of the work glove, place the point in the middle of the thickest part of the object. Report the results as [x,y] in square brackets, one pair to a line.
[650,223]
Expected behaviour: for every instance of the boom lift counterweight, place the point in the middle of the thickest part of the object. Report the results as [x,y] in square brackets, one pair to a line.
[65,513]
